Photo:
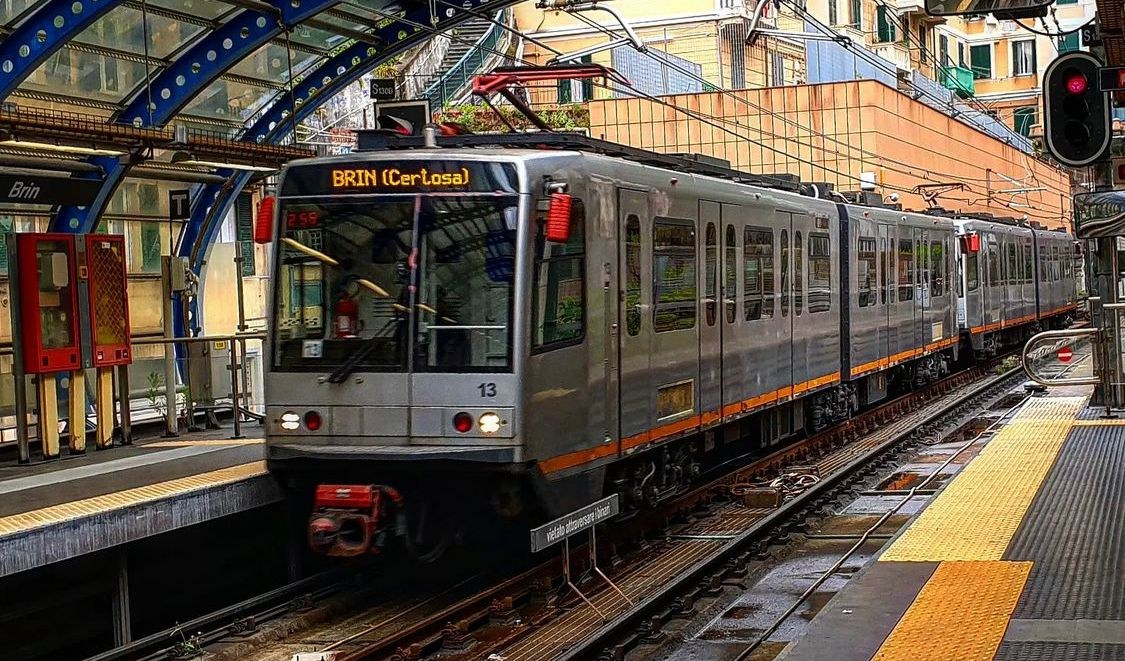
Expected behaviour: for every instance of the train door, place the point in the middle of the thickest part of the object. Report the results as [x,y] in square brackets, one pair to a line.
[922,293]
[636,392]
[886,289]
[710,314]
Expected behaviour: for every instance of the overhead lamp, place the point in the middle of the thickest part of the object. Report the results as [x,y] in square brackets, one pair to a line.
[68,149]
[184,158]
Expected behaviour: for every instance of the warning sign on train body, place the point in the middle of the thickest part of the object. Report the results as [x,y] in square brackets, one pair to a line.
[556,531]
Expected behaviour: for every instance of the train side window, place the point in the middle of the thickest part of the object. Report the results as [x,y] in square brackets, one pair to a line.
[882,271]
[558,294]
[1028,266]
[906,269]
[937,268]
[674,274]
[1055,263]
[632,274]
[865,271]
[798,274]
[993,263]
[1043,250]
[1013,263]
[711,275]
[972,271]
[892,284]
[757,273]
[784,273]
[820,272]
[730,272]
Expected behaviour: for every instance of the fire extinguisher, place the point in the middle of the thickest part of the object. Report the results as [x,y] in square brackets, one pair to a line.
[347,316]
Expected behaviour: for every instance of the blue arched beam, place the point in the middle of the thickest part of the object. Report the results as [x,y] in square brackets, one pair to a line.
[189,74]
[47,29]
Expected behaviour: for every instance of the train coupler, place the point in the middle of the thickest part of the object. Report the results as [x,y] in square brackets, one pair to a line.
[352,519]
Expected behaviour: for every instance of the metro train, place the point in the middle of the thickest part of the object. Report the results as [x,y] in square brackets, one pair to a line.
[471,332]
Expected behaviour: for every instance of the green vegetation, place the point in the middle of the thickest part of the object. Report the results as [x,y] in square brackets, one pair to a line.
[482,119]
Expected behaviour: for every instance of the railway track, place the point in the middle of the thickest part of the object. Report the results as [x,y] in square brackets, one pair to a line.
[663,559]
[692,545]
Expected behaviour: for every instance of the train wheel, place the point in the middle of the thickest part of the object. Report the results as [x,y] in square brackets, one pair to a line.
[431,529]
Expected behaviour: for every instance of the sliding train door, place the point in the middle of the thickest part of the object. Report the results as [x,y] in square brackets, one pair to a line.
[636,392]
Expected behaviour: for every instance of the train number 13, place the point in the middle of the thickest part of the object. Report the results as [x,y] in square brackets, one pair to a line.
[487,389]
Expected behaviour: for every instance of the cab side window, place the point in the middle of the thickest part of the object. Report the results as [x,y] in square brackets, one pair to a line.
[558,294]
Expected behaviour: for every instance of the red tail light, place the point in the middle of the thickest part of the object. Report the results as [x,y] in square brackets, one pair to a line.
[558,218]
[263,226]
[463,422]
[312,421]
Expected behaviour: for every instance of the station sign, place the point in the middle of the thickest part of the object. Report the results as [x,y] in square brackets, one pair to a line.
[552,533]
[383,89]
[179,204]
[48,189]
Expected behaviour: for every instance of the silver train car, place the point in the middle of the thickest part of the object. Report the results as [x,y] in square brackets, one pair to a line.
[507,333]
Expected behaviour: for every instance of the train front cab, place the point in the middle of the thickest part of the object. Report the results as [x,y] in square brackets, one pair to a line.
[394,384]
[899,325]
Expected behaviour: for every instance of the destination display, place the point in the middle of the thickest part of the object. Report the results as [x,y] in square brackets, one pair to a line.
[400,177]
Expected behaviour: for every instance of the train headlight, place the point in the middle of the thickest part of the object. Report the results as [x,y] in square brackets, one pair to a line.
[489,423]
[290,421]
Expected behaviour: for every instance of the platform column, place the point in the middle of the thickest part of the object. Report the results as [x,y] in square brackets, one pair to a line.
[48,415]
[77,415]
[103,436]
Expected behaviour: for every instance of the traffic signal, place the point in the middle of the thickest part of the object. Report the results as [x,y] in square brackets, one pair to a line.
[1076,122]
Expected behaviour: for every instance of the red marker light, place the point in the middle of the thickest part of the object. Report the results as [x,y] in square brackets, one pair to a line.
[312,421]
[463,422]
[1076,83]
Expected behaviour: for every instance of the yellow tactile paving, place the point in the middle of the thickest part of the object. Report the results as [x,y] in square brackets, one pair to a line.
[111,501]
[188,444]
[975,516]
[961,613]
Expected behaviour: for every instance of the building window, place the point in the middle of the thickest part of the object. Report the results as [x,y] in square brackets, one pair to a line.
[557,308]
[923,46]
[833,13]
[885,26]
[960,54]
[1068,43]
[1024,120]
[575,91]
[855,16]
[777,69]
[1023,57]
[980,60]
[943,50]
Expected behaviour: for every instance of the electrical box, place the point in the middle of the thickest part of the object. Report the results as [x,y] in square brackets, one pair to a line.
[106,306]
[46,288]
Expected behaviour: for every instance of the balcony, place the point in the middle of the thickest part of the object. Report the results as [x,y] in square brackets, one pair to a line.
[917,7]
[959,80]
[895,52]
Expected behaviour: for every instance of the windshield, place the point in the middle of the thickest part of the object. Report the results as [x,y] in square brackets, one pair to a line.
[396,283]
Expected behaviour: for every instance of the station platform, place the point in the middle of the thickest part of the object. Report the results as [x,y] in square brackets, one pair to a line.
[1017,558]
[62,509]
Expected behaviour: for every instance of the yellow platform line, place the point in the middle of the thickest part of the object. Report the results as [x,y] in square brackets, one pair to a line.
[961,613]
[976,515]
[188,444]
[98,504]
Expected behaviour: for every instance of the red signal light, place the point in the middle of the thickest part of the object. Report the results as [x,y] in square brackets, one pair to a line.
[1076,83]
[263,227]
[312,421]
[463,422]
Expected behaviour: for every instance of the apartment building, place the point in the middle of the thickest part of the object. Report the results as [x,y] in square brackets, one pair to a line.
[692,45]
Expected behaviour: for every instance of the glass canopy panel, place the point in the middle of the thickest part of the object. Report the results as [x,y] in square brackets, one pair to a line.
[204,9]
[10,10]
[88,76]
[270,62]
[229,100]
[316,38]
[123,29]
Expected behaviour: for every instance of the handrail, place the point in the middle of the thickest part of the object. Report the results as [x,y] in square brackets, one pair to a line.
[1070,334]
[440,92]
